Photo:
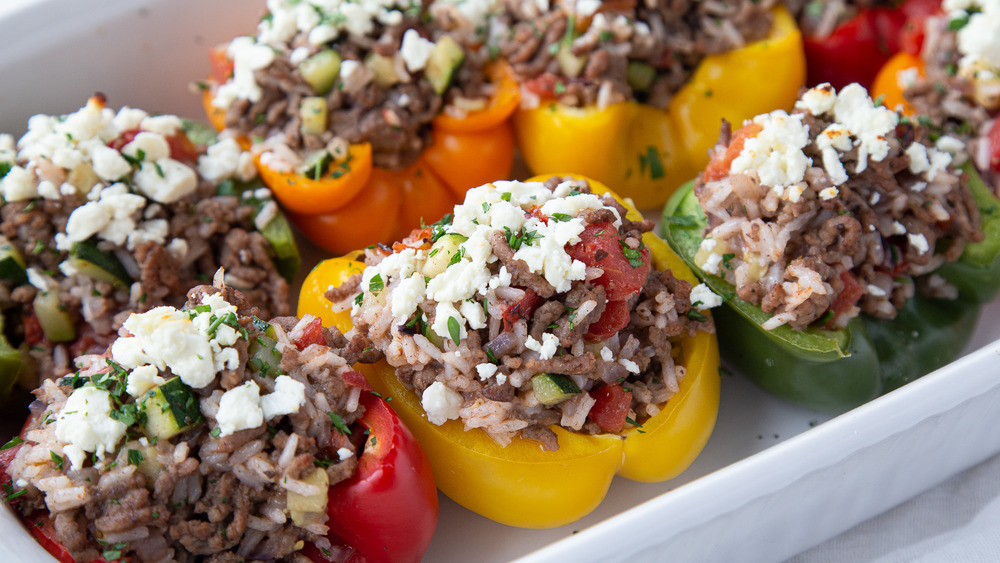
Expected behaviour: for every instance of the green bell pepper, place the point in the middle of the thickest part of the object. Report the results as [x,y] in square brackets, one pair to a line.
[835,371]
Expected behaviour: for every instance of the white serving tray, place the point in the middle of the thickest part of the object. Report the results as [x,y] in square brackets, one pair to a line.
[774,479]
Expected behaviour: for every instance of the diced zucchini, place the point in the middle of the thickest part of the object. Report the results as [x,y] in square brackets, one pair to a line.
[264,356]
[99,265]
[267,328]
[150,467]
[170,409]
[640,75]
[444,60]
[199,133]
[442,253]
[304,509]
[384,69]
[12,265]
[321,70]
[57,324]
[570,64]
[286,251]
[313,113]
[553,388]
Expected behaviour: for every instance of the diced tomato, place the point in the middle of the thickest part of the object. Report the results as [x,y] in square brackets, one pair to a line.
[312,334]
[993,138]
[718,168]
[181,148]
[911,38]
[33,333]
[600,247]
[611,408]
[614,318]
[222,66]
[522,309]
[356,379]
[543,85]
[848,296]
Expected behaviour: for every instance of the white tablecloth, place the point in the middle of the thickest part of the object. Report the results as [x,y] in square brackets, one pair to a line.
[958,521]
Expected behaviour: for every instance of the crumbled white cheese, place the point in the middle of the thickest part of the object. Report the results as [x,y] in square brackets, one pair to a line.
[142,379]
[165,180]
[606,354]
[109,164]
[486,370]
[85,425]
[147,146]
[775,153]
[918,242]
[195,349]
[818,100]
[440,403]
[712,263]
[239,409]
[406,297]
[898,228]
[927,160]
[868,124]
[827,194]
[629,365]
[415,50]
[703,298]
[248,56]
[287,397]
[875,290]
[344,453]
[547,348]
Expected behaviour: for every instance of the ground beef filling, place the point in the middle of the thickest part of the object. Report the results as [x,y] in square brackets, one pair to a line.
[211,497]
[858,244]
[641,356]
[218,231]
[589,64]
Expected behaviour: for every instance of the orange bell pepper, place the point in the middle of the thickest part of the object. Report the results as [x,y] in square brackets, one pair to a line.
[354,203]
[521,484]
[887,86]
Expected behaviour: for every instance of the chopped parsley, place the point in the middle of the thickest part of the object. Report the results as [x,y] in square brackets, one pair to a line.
[454,330]
[135,457]
[633,255]
[216,432]
[339,424]
[57,460]
[376,284]
[13,442]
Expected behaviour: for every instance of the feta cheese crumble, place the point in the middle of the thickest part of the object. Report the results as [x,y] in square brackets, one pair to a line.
[85,425]
[441,403]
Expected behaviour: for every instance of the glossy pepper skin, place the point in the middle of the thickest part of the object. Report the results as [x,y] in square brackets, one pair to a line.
[523,485]
[386,511]
[835,371]
[355,204]
[856,49]
[647,152]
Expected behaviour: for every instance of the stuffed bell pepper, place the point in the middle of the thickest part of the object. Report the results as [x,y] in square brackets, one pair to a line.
[625,92]
[848,41]
[537,341]
[109,212]
[366,117]
[849,250]
[950,83]
[207,433]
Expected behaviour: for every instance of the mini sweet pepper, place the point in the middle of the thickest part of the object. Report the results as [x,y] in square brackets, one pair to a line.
[521,484]
[837,370]
[350,203]
[647,152]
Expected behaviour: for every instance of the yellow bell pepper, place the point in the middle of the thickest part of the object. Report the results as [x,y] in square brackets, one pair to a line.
[521,484]
[647,152]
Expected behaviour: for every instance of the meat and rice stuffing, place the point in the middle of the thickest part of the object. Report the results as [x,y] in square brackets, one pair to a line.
[106,213]
[510,313]
[201,434]
[587,53]
[835,209]
[320,75]
[958,94]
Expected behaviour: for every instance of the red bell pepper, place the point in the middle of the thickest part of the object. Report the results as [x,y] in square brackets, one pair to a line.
[386,511]
[857,48]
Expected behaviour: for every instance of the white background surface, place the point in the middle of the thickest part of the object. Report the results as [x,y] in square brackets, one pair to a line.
[773,481]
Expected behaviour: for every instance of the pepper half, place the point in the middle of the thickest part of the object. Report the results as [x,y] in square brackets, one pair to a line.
[523,485]
[835,371]
[351,203]
[648,152]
